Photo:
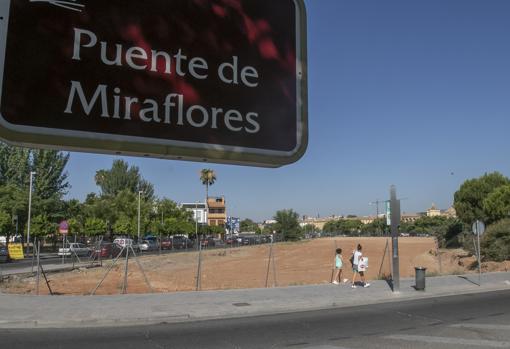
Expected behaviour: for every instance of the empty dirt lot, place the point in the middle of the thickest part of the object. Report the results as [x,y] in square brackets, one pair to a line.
[299,263]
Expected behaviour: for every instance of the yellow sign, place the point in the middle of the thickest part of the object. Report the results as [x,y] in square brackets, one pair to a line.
[16,251]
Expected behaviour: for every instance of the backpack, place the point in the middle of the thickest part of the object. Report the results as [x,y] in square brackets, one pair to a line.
[352,259]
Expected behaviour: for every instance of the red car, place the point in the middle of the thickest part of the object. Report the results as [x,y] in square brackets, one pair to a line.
[106,250]
[166,244]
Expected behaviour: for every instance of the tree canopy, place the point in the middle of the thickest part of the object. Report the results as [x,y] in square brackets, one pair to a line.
[122,177]
[247,225]
[497,204]
[49,185]
[207,177]
[343,226]
[469,199]
[287,225]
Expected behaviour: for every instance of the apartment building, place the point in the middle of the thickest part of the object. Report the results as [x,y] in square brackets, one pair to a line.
[217,211]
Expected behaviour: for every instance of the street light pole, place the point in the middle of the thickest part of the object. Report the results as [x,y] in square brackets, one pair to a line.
[139,199]
[32,173]
[395,222]
[376,203]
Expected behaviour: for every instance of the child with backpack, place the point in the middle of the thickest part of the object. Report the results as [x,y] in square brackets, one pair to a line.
[357,259]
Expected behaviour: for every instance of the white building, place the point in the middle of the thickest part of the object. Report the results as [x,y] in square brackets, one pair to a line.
[199,210]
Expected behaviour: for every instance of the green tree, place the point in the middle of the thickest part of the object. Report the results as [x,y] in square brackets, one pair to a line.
[496,241]
[124,226]
[94,227]
[497,204]
[343,226]
[14,203]
[103,207]
[15,165]
[268,229]
[186,227]
[51,179]
[122,177]
[469,199]
[49,185]
[75,226]
[41,226]
[287,225]
[5,225]
[247,225]
[168,208]
[207,177]
[446,230]
[377,227]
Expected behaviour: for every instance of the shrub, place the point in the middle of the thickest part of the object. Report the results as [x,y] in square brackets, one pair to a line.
[496,241]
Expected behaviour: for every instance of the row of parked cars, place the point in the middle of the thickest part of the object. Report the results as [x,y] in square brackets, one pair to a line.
[112,249]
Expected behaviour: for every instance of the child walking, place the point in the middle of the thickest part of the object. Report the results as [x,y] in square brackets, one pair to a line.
[357,258]
[337,277]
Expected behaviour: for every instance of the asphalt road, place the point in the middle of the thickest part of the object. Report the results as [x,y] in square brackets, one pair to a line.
[466,321]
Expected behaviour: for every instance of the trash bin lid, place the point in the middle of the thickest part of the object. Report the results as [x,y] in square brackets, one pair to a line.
[420,268]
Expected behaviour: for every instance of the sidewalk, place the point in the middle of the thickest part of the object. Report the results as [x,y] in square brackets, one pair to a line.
[18,311]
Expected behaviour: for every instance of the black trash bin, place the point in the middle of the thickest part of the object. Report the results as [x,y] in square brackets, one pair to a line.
[420,278]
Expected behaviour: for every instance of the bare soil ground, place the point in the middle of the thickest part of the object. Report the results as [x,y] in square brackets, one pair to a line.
[299,263]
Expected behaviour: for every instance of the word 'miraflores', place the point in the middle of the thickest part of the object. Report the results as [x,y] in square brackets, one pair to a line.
[170,111]
[173,109]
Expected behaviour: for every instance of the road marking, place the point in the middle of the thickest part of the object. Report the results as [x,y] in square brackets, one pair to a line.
[483,327]
[449,340]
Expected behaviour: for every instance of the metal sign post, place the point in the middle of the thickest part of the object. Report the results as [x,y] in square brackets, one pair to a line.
[478,229]
[63,228]
[395,222]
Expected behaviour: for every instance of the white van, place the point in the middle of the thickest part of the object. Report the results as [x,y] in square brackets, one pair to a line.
[123,242]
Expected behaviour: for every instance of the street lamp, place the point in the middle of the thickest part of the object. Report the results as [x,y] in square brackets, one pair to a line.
[32,173]
[139,198]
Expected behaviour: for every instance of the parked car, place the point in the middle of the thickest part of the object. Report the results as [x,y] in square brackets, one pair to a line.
[204,243]
[75,249]
[219,243]
[148,245]
[181,242]
[106,250]
[166,244]
[4,254]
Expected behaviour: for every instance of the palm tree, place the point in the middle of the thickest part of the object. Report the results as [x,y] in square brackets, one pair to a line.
[208,177]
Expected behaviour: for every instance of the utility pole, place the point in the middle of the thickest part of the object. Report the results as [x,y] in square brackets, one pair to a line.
[376,203]
[395,222]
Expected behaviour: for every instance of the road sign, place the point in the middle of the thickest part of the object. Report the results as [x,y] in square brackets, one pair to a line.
[219,81]
[16,251]
[234,224]
[63,228]
[478,228]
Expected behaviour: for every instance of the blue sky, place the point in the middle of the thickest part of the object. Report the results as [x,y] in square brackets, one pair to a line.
[411,93]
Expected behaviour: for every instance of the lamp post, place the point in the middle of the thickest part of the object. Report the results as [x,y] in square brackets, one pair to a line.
[139,199]
[32,173]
